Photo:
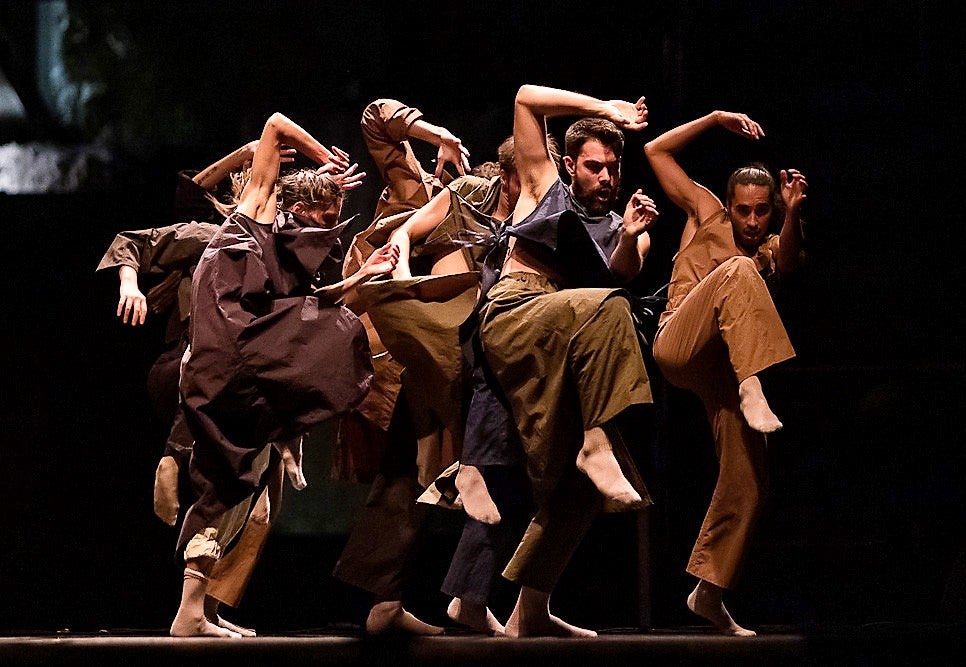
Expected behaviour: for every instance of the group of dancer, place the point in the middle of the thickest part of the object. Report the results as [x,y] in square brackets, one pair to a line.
[478,337]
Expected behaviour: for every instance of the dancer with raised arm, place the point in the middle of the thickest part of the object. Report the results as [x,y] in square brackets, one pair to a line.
[720,329]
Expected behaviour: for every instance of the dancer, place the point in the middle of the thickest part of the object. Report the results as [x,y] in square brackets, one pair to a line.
[396,419]
[270,355]
[720,329]
[550,313]
[454,231]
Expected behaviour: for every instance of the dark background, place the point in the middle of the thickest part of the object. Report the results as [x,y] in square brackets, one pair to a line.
[864,525]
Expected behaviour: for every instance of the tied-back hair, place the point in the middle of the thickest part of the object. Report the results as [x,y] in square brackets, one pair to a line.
[757,173]
[600,129]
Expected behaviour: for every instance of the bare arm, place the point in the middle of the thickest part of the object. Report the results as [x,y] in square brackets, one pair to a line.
[792,237]
[380,262]
[132,307]
[419,225]
[532,106]
[258,199]
[634,243]
[695,199]
[215,173]
[451,148]
[387,126]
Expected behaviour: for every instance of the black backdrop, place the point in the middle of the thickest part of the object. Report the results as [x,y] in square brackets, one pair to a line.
[864,521]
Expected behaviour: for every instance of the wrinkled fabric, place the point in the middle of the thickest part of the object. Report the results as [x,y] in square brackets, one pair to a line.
[268,359]
[568,359]
[720,327]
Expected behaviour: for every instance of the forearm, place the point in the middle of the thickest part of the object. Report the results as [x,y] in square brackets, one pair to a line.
[336,291]
[548,102]
[424,131]
[212,175]
[674,140]
[791,242]
[401,237]
[288,132]
[128,276]
[627,260]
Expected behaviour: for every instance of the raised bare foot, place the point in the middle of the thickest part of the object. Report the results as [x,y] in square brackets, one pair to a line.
[475,496]
[705,600]
[475,616]
[166,490]
[755,408]
[390,616]
[596,460]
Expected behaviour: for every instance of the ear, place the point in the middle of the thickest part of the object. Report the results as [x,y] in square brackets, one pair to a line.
[569,165]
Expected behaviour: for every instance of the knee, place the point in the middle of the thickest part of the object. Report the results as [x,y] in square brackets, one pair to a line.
[740,267]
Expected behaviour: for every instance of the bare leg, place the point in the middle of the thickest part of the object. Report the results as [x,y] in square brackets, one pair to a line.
[190,620]
[475,496]
[291,451]
[755,408]
[596,460]
[706,600]
[475,616]
[390,616]
[531,617]
[166,490]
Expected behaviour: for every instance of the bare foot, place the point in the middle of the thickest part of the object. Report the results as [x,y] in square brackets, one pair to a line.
[186,625]
[166,490]
[228,625]
[291,452]
[391,617]
[475,616]
[705,600]
[596,460]
[475,496]
[531,617]
[211,613]
[755,408]
[545,625]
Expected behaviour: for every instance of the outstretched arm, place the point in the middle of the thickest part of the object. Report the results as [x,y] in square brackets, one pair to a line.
[792,237]
[532,106]
[695,199]
[380,262]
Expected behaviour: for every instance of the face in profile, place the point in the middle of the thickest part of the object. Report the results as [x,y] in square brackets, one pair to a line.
[594,177]
[750,211]
[325,217]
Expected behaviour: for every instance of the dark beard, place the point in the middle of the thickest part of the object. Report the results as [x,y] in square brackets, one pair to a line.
[589,202]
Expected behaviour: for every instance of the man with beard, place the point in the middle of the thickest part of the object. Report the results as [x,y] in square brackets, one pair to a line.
[559,337]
